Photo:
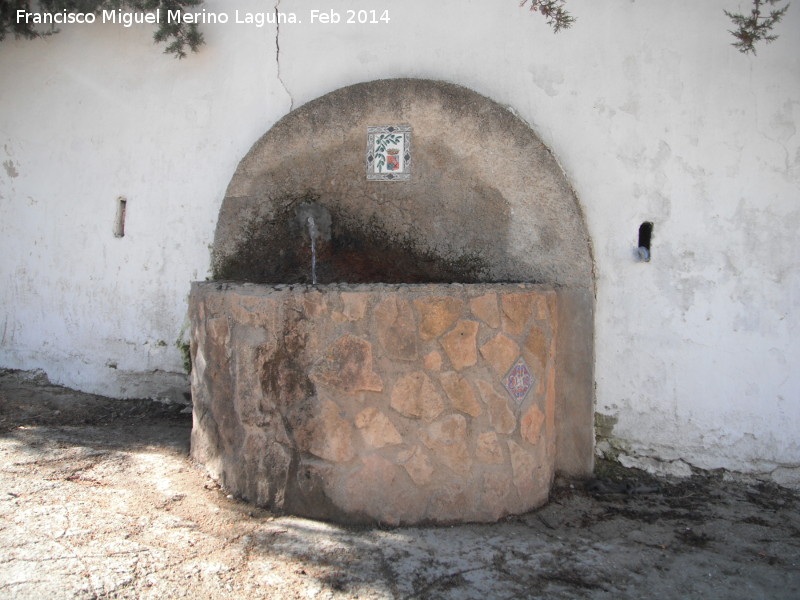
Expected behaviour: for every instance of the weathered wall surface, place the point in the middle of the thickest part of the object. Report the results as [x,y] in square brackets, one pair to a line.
[652,115]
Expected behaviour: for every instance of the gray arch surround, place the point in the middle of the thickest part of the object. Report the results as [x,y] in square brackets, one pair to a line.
[486,202]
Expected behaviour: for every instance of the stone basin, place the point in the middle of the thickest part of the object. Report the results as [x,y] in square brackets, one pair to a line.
[397,404]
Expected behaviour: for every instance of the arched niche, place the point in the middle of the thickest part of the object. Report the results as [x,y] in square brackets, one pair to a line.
[486,202]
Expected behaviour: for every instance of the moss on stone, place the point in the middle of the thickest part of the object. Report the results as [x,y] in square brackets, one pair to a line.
[185,349]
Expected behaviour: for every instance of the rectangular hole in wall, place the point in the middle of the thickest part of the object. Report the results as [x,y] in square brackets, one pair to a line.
[645,234]
[645,237]
[119,220]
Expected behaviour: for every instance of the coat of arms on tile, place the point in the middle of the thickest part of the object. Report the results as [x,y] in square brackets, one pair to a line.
[389,153]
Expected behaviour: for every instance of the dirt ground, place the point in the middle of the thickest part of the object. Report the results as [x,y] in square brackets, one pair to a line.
[98,499]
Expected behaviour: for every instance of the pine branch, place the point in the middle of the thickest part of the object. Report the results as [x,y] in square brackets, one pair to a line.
[178,37]
[553,10]
[8,20]
[756,27]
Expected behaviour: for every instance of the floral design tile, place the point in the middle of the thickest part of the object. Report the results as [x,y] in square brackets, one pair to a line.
[389,153]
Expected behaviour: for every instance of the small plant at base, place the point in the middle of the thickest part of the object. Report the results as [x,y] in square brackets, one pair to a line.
[186,352]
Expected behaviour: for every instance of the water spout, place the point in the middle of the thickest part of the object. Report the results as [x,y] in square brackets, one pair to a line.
[315,220]
[313,233]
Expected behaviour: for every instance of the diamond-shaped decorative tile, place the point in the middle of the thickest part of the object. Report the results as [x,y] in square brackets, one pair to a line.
[518,381]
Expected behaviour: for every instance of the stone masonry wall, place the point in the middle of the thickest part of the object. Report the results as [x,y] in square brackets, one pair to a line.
[397,404]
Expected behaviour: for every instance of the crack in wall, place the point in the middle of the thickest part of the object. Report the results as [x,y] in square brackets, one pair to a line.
[278,54]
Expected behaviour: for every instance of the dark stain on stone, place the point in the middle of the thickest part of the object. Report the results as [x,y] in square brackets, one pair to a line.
[305,495]
[295,487]
[284,379]
[275,249]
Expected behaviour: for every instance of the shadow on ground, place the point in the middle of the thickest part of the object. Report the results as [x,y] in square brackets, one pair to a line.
[98,499]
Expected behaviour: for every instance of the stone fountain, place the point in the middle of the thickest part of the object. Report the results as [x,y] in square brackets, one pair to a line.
[413,383]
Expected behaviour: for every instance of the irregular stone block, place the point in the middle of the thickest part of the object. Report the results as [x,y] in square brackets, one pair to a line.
[397,330]
[537,344]
[523,464]
[377,489]
[500,352]
[485,308]
[418,466]
[329,435]
[264,468]
[254,311]
[432,361]
[531,425]
[415,396]
[219,334]
[376,428]
[437,315]
[314,304]
[488,449]
[347,365]
[517,311]
[447,439]
[500,415]
[460,344]
[450,499]
[354,305]
[460,392]
[277,462]
[495,490]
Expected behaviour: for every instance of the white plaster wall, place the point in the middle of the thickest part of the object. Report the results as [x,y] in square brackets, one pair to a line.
[651,112]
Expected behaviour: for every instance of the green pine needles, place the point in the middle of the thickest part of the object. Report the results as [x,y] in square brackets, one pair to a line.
[756,26]
[178,37]
[553,10]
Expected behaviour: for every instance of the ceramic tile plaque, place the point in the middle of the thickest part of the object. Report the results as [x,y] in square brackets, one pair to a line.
[389,153]
[518,381]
